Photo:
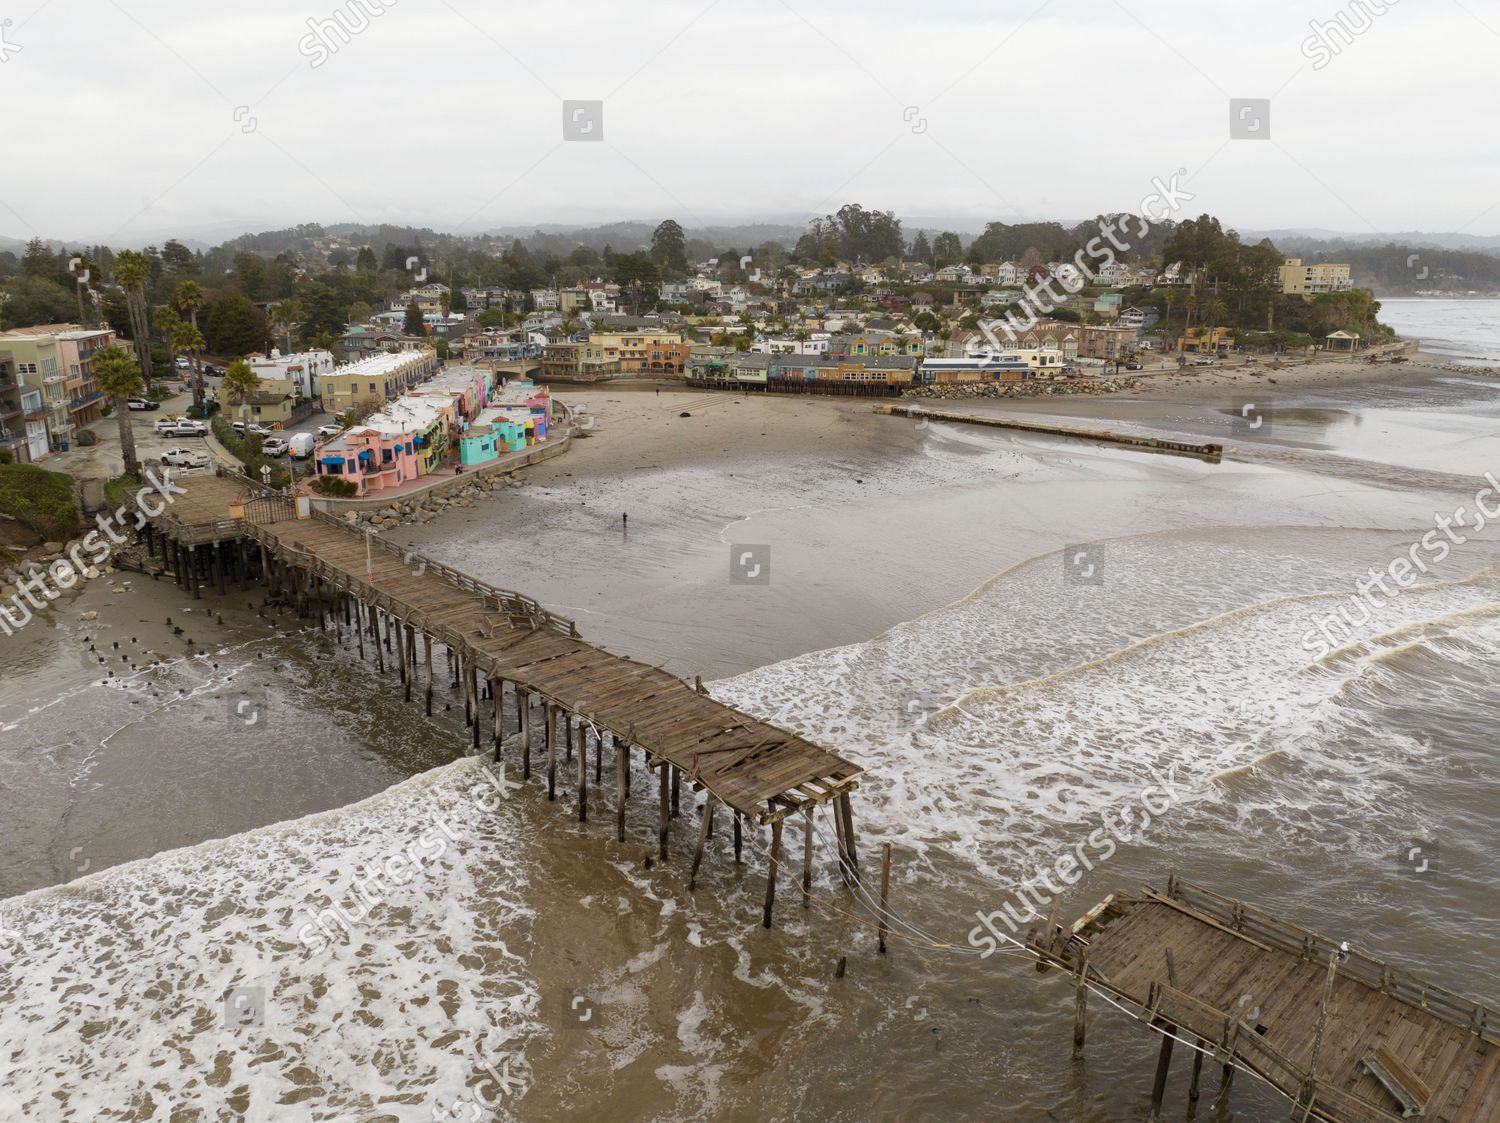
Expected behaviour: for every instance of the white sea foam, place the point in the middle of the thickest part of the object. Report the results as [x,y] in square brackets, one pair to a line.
[1000,766]
[117,990]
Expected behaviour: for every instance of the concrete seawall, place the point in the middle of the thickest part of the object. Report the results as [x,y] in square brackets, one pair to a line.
[1210,452]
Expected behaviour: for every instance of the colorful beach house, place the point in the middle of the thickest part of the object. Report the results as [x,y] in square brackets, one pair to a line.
[429,421]
[373,459]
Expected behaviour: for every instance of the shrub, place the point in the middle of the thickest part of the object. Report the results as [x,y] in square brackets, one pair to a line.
[224,433]
[6,456]
[40,500]
[334,487]
[85,438]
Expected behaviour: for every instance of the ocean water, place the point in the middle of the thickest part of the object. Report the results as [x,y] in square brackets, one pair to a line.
[1004,710]
[1467,330]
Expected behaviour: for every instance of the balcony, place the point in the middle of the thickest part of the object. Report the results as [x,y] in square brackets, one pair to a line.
[87,400]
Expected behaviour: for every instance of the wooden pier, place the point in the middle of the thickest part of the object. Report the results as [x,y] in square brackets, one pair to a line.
[1211,452]
[1346,1038]
[503,647]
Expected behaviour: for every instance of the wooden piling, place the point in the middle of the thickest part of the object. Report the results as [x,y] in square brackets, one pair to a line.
[550,727]
[661,768]
[775,863]
[807,856]
[853,854]
[497,693]
[473,687]
[523,719]
[676,789]
[1163,1063]
[736,838]
[427,659]
[703,828]
[621,766]
[583,770]
[885,893]
[1080,1006]
[405,678]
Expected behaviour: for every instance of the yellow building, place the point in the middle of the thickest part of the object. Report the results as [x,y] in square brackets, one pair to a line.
[634,352]
[1298,279]
[1204,341]
[370,382]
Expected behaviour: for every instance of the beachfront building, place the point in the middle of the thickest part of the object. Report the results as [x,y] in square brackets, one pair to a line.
[1205,341]
[653,352]
[466,387]
[23,416]
[371,382]
[1110,343]
[431,422]
[567,361]
[1003,366]
[366,455]
[893,370]
[39,367]
[1298,279]
[303,370]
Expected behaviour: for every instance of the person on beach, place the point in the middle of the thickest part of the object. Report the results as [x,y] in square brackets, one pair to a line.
[624,520]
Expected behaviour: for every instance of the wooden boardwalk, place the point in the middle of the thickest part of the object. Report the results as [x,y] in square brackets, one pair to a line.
[503,644]
[1347,1038]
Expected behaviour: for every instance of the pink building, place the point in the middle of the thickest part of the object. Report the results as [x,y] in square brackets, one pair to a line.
[372,458]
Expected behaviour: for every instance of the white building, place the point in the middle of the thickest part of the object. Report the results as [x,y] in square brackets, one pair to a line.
[303,369]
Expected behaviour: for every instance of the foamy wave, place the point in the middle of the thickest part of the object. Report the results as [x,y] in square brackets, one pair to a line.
[115,1003]
[998,766]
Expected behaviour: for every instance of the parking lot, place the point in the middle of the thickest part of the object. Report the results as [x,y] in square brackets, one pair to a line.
[104,460]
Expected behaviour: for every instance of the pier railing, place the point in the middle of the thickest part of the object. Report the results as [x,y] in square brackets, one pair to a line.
[1236,1039]
[1355,964]
[513,604]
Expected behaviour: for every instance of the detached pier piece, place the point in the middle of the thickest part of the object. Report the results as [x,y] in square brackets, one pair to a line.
[1209,452]
[1346,1038]
[318,563]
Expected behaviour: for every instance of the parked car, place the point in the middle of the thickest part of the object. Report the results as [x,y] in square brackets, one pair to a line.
[164,425]
[330,430]
[185,458]
[1203,362]
[213,369]
[301,445]
[275,446]
[182,362]
[245,428]
[141,404]
[1132,366]
[183,428]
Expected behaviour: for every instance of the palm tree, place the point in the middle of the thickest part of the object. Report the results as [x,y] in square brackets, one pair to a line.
[239,380]
[188,340]
[132,270]
[286,315]
[116,373]
[189,298]
[165,321]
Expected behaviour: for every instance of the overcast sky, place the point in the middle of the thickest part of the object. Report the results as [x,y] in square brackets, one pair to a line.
[130,120]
